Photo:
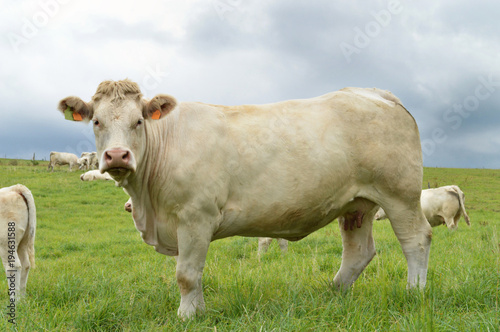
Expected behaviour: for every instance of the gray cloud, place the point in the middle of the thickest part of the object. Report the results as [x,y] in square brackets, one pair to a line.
[432,56]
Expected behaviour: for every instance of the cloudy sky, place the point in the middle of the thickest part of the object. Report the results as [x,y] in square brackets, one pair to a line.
[440,58]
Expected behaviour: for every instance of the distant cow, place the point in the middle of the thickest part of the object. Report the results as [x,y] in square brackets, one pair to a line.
[95,175]
[441,206]
[264,243]
[62,158]
[83,162]
[198,172]
[17,237]
[92,159]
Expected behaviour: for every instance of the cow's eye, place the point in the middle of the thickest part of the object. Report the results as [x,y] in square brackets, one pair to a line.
[139,122]
[96,122]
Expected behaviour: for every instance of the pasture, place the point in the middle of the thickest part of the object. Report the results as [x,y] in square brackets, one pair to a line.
[94,273]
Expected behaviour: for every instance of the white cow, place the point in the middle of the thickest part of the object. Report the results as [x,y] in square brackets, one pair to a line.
[83,162]
[17,237]
[62,158]
[95,175]
[441,206]
[198,172]
[92,159]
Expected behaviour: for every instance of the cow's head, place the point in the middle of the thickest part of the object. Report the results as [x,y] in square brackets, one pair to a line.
[118,113]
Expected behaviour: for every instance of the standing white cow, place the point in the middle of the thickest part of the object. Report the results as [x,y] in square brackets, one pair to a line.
[62,158]
[17,237]
[206,172]
[441,206]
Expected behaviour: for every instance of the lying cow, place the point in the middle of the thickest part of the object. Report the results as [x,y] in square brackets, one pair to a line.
[95,175]
[441,206]
[264,243]
[198,172]
[62,158]
[17,237]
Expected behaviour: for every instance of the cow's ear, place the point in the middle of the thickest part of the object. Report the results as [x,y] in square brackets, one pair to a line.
[75,109]
[159,106]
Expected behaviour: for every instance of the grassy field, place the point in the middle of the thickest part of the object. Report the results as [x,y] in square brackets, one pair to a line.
[94,273]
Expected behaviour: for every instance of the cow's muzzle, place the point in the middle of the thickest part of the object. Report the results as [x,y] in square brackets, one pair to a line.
[117,162]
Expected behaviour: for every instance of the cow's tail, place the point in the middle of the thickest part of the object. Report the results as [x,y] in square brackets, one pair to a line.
[461,201]
[29,234]
[50,160]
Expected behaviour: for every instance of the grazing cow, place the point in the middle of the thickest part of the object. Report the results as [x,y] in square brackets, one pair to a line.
[95,175]
[198,172]
[92,159]
[264,243]
[17,237]
[62,158]
[441,206]
[83,162]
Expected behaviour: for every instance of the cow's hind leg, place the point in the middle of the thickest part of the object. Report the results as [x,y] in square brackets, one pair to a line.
[414,234]
[23,253]
[264,243]
[358,246]
[13,268]
[283,244]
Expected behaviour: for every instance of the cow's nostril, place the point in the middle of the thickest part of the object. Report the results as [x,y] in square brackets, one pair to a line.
[125,156]
[107,156]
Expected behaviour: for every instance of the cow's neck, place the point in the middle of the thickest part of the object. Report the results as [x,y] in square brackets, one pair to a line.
[151,176]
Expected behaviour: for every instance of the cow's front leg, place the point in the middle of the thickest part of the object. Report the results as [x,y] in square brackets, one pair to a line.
[193,242]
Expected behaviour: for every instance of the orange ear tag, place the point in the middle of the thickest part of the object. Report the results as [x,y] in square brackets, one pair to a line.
[77,116]
[156,115]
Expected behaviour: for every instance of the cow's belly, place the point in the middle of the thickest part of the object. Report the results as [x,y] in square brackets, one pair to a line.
[294,225]
[290,222]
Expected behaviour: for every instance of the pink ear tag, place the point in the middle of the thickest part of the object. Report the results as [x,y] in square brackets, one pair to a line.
[156,115]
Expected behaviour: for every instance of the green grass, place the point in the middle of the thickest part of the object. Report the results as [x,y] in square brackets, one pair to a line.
[94,273]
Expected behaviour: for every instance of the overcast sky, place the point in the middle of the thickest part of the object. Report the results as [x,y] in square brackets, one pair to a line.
[440,58]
